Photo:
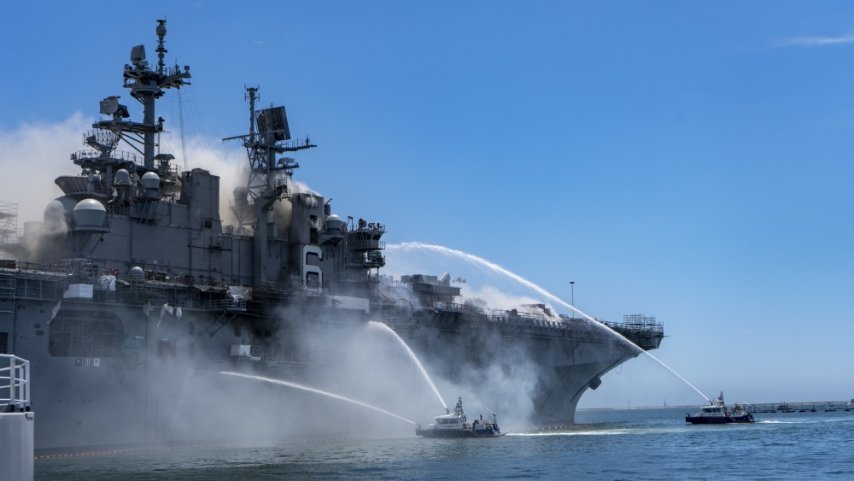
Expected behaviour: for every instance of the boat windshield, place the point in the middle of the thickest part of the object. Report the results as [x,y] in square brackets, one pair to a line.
[448,419]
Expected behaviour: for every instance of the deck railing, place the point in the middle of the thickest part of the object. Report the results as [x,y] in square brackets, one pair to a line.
[14,383]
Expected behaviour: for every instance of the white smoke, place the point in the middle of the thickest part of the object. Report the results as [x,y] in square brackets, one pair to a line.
[223,160]
[494,298]
[298,187]
[479,287]
[32,156]
[54,219]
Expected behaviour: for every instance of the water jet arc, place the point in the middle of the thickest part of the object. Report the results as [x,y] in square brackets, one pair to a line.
[316,391]
[383,327]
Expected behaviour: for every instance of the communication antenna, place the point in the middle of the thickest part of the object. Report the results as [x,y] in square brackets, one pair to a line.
[161,46]
[267,143]
[181,125]
[146,86]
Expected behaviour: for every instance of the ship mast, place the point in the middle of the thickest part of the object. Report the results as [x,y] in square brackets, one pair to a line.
[269,138]
[146,86]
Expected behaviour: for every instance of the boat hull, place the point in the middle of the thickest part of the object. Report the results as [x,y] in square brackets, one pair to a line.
[454,433]
[741,419]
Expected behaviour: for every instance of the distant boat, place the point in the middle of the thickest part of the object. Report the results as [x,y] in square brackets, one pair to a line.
[717,413]
[457,426]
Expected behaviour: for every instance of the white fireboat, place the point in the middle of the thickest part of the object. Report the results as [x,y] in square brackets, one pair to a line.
[457,426]
[717,413]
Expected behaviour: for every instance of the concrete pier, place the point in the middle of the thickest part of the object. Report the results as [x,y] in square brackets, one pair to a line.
[802,407]
[16,446]
[16,420]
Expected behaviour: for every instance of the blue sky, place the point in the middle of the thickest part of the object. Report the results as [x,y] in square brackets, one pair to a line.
[690,161]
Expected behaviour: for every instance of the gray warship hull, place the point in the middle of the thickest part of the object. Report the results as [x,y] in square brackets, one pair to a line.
[132,296]
[109,372]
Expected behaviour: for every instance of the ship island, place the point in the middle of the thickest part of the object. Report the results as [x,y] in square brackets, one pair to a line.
[134,283]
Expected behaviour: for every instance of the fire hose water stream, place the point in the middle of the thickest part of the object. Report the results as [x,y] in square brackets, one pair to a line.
[301,387]
[384,328]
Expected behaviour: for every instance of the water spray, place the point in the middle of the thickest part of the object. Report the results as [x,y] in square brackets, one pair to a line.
[316,391]
[381,326]
[539,290]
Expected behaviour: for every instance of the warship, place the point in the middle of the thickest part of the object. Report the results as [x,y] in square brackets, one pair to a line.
[134,283]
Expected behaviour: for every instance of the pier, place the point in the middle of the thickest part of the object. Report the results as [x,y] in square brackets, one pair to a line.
[803,407]
[16,420]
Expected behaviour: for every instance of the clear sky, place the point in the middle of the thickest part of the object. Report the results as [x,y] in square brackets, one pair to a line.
[687,160]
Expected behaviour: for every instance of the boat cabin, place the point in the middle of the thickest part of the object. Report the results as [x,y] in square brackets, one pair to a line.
[716,410]
[449,421]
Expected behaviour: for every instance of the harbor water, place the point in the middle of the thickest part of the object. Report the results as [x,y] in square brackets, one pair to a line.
[632,444]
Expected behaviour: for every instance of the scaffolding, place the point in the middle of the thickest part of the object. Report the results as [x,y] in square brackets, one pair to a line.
[639,320]
[8,223]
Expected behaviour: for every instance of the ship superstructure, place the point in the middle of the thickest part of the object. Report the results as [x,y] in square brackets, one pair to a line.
[132,282]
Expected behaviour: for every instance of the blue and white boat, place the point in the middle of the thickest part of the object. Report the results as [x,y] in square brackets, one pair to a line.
[456,425]
[718,413]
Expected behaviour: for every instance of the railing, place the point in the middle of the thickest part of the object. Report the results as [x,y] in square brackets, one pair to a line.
[225,305]
[14,383]
[366,244]
[648,327]
[94,155]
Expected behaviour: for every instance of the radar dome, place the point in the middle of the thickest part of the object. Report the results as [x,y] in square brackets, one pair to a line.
[89,213]
[150,180]
[122,177]
[136,273]
[333,222]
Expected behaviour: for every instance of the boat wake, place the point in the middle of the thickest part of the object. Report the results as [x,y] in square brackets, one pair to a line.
[572,433]
[808,421]
[604,432]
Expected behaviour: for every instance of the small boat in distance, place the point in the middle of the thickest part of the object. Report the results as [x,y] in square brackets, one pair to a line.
[717,413]
[457,426]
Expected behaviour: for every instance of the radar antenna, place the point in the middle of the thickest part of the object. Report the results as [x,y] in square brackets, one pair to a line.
[268,139]
[146,86]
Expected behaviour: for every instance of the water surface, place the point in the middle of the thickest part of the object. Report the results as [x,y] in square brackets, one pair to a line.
[609,445]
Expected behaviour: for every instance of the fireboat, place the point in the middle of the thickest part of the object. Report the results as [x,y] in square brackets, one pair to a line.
[718,413]
[457,426]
